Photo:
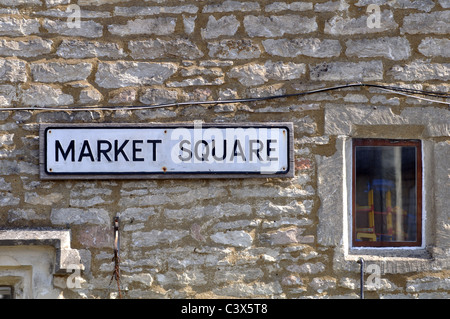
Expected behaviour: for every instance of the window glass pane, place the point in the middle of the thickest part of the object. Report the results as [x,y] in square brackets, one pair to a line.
[385,194]
[6,292]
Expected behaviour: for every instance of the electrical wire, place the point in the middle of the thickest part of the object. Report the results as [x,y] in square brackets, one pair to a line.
[392,89]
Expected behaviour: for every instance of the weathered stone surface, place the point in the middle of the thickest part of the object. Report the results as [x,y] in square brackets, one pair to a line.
[39,199]
[256,74]
[189,24]
[60,71]
[424,23]
[341,121]
[226,25]
[124,73]
[44,95]
[348,26]
[88,29]
[331,6]
[13,70]
[234,49]
[428,283]
[435,47]
[221,210]
[80,49]
[90,96]
[243,290]
[158,26]
[350,71]
[78,216]
[11,26]
[157,237]
[307,268]
[8,94]
[421,71]
[157,10]
[123,96]
[8,199]
[323,284]
[155,96]
[237,238]
[394,48]
[20,2]
[230,6]
[276,26]
[423,5]
[294,6]
[52,3]
[291,235]
[313,47]
[444,3]
[157,48]
[25,48]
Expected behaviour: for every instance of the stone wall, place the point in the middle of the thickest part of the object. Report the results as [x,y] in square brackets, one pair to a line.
[217,238]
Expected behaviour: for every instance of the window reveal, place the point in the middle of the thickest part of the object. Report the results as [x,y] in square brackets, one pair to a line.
[387,192]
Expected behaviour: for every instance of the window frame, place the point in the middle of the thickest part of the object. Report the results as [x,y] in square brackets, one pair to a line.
[419,192]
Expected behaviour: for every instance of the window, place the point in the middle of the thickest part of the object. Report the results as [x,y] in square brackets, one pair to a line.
[387,192]
[6,292]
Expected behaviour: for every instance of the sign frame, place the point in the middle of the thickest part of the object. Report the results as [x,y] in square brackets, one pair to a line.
[45,175]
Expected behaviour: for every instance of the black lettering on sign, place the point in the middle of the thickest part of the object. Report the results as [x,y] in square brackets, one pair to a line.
[86,151]
[119,150]
[65,154]
[101,151]
[154,142]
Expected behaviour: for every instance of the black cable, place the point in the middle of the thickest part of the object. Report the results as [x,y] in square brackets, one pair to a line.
[242,100]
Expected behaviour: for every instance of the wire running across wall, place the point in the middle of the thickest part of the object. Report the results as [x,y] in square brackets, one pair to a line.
[408,92]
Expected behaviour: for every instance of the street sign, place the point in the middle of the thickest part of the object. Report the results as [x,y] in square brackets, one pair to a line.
[105,151]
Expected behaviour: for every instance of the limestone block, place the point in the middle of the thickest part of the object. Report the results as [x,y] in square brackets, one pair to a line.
[276,26]
[347,71]
[157,96]
[230,6]
[424,23]
[420,70]
[253,74]
[444,3]
[347,26]
[237,238]
[90,96]
[44,95]
[158,26]
[146,11]
[313,47]
[11,26]
[25,48]
[422,5]
[60,71]
[14,3]
[13,70]
[79,216]
[157,237]
[394,48]
[226,25]
[283,6]
[435,47]
[88,29]
[157,48]
[123,73]
[80,49]
[234,49]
